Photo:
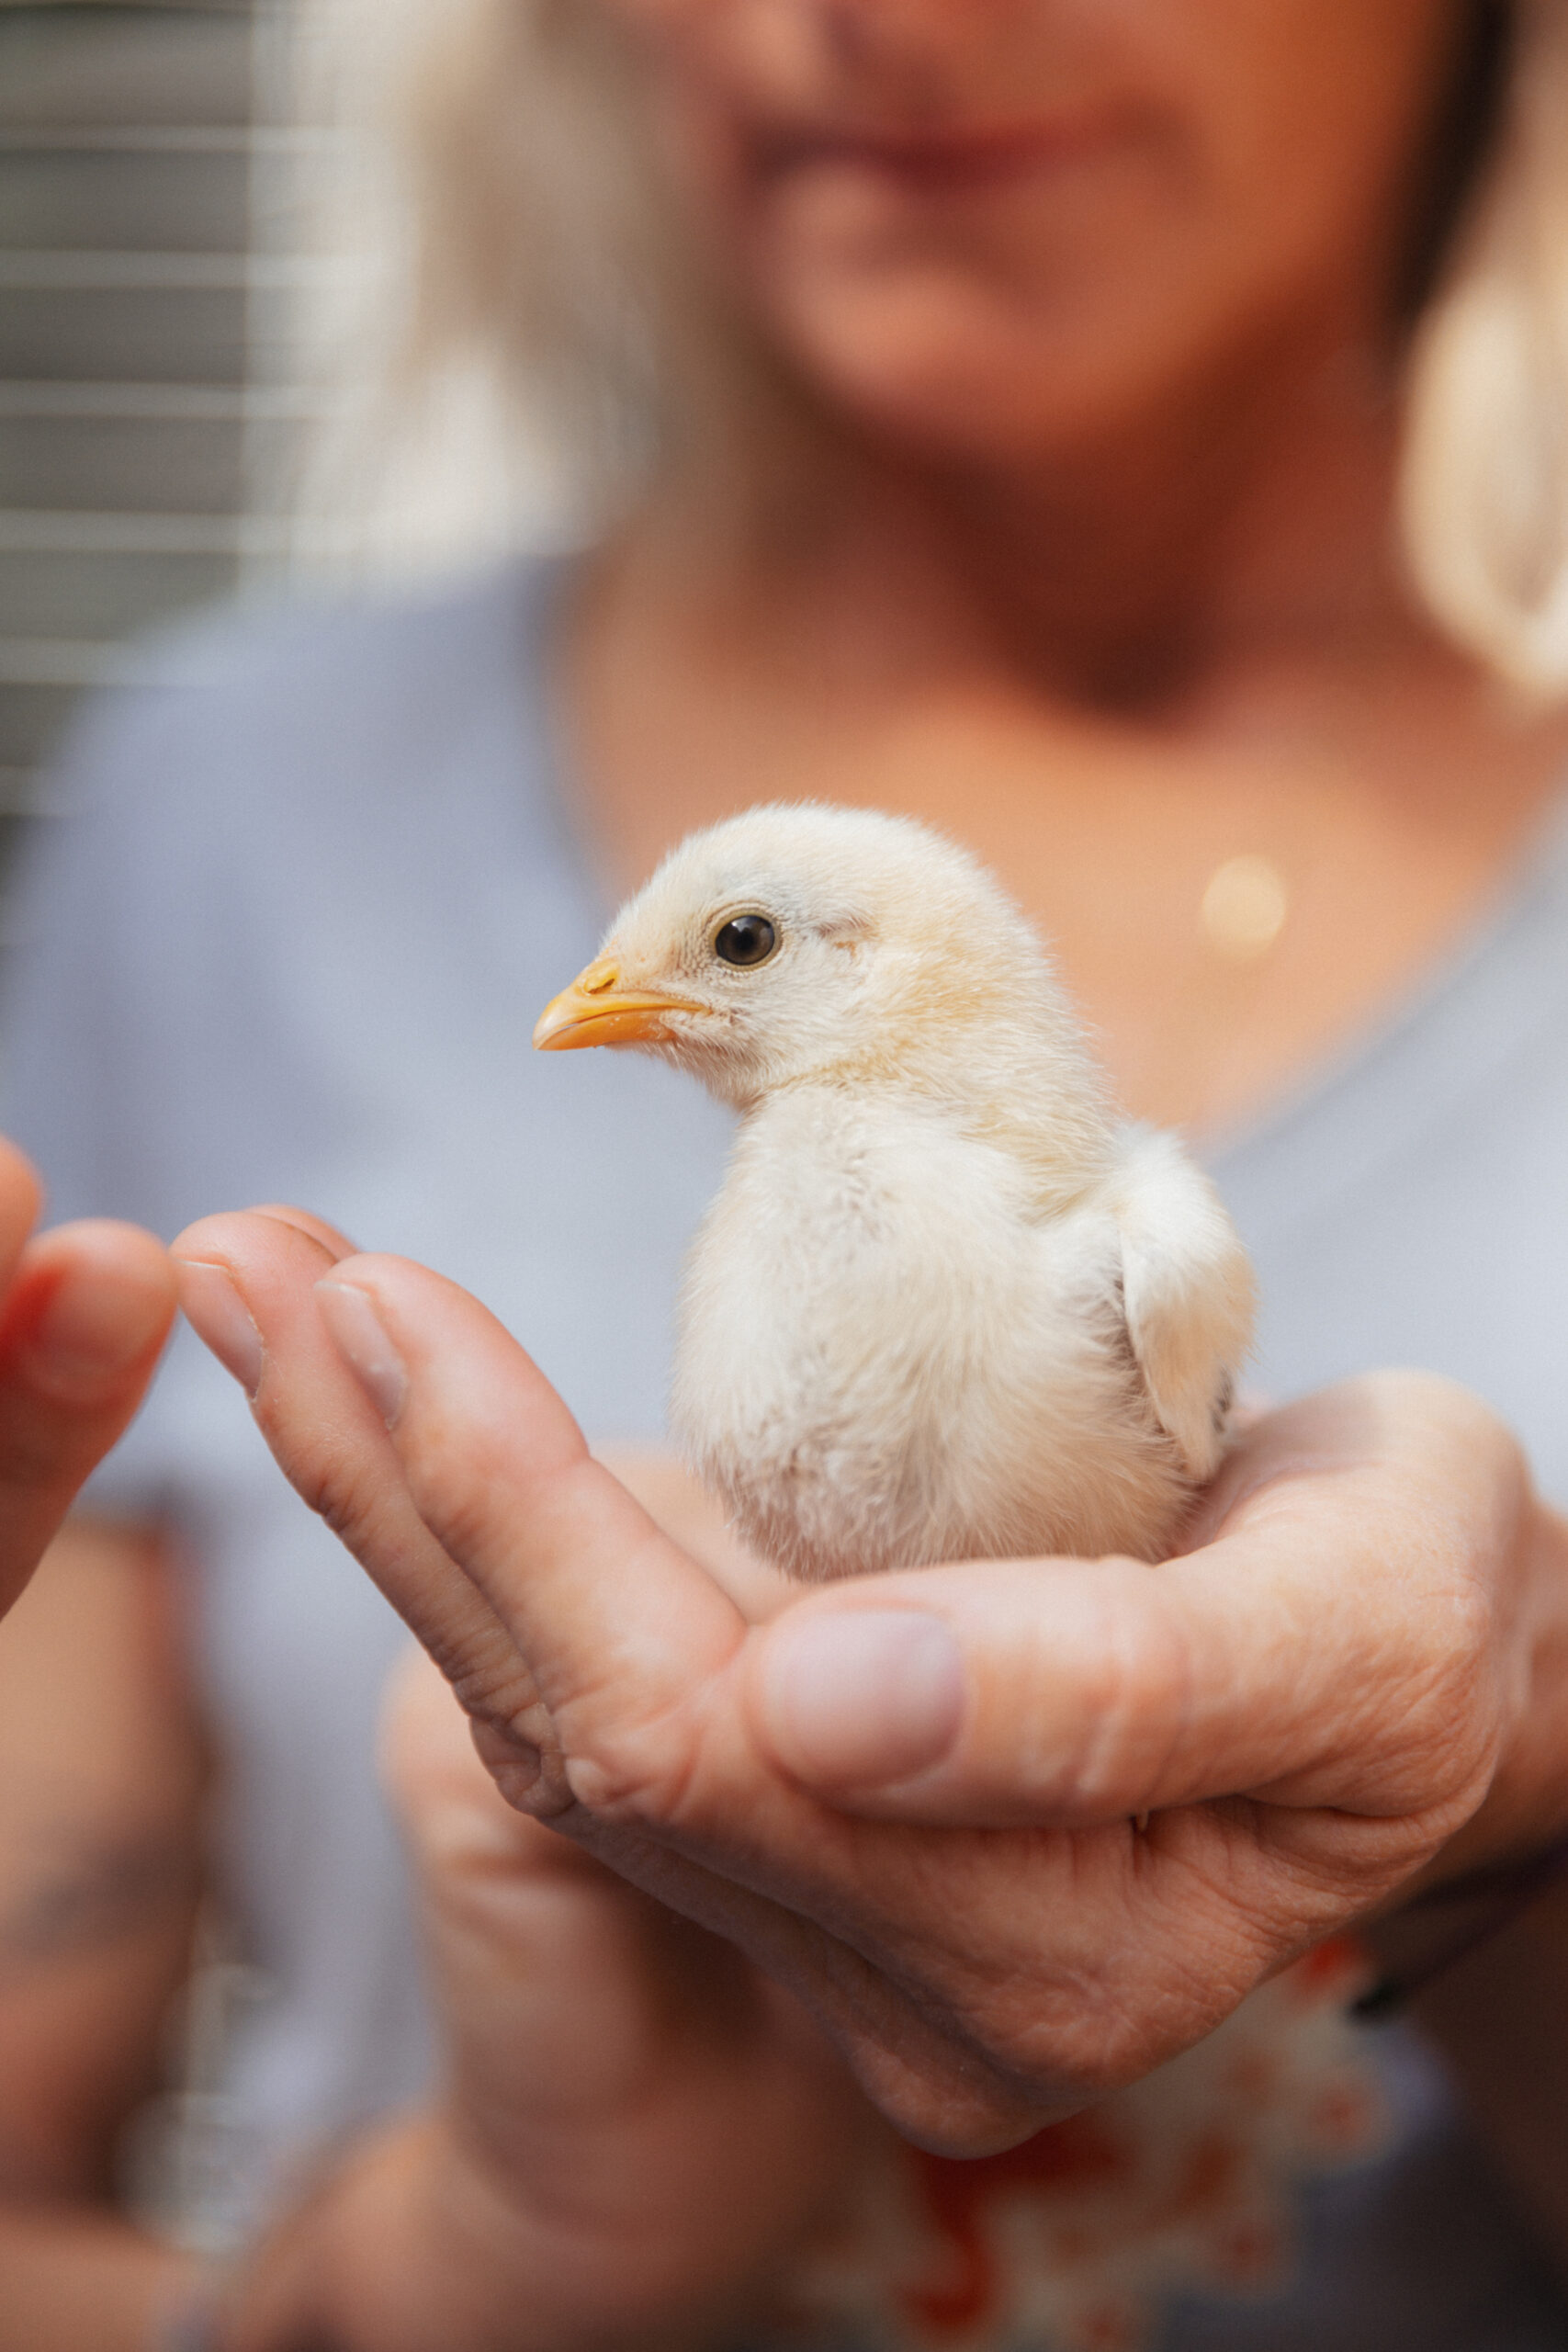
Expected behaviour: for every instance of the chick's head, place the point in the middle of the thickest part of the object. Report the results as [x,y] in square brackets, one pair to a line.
[809,942]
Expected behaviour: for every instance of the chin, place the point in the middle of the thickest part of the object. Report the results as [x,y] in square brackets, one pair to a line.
[959,382]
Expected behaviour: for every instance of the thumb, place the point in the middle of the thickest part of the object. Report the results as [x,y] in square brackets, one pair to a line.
[986,1694]
[1280,1662]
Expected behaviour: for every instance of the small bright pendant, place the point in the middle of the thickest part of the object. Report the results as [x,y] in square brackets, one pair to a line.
[1243,908]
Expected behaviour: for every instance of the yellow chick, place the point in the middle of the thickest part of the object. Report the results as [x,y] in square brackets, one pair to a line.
[947,1304]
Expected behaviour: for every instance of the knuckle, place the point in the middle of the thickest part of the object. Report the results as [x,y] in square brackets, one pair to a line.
[638,1773]
[492,1681]
[673,1764]
[515,1737]
[339,1497]
[534,1779]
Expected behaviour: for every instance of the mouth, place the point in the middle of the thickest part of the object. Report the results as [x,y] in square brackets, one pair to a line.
[939,161]
[596,1010]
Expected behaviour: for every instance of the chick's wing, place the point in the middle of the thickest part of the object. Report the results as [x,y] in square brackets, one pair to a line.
[1188,1292]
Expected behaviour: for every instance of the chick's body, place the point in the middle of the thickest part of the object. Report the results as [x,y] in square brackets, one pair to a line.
[887,1358]
[945,1303]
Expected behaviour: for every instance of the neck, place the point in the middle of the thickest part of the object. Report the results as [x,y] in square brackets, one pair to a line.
[1143,569]
[1018,1077]
[1248,522]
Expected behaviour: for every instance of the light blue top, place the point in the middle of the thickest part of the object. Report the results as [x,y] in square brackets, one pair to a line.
[320,878]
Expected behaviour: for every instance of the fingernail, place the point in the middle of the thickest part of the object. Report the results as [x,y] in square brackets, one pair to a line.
[219,1315]
[860,1697]
[349,1314]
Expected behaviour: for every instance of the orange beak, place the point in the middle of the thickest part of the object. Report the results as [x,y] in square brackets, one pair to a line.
[595,1012]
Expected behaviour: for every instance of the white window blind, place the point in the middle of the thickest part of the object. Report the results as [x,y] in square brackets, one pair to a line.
[133,306]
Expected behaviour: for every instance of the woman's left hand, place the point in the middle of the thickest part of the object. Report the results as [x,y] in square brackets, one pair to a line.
[84,1310]
[1016,1831]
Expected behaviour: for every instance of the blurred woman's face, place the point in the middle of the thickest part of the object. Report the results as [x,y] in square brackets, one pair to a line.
[994,227]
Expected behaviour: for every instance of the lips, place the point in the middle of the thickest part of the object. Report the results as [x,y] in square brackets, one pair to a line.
[967,156]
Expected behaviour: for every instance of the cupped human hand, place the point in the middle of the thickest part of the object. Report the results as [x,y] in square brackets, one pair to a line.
[84,1310]
[1016,1832]
[632,2130]
[651,2123]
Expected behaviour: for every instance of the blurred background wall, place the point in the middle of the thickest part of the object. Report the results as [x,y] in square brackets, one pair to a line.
[203,281]
[205,287]
[130,403]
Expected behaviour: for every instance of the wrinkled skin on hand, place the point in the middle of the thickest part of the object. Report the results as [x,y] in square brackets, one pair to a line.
[1351,1671]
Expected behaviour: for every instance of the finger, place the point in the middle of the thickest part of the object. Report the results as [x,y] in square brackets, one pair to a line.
[85,1317]
[602,1604]
[21,1198]
[247,1286]
[640,1662]
[336,1244]
[636,1655]
[555,1969]
[1326,1649]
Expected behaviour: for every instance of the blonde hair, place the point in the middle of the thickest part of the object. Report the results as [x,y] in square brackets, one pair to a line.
[1484,498]
[543,255]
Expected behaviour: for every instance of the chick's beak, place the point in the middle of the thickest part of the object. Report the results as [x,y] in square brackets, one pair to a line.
[596,1010]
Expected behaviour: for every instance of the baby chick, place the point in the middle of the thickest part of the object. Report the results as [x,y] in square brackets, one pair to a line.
[947,1304]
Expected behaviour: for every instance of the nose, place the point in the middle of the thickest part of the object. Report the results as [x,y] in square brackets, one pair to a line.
[897,55]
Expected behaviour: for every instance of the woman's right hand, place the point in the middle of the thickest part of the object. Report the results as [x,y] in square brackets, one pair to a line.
[636,2126]
[1017,1831]
[84,1310]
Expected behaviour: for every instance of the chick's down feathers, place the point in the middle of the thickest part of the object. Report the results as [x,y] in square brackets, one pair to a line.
[946,1305]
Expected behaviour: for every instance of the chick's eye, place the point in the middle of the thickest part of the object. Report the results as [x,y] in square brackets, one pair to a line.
[745,939]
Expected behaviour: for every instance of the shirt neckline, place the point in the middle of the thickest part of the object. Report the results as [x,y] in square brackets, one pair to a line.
[1526,913]
[1484,1000]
